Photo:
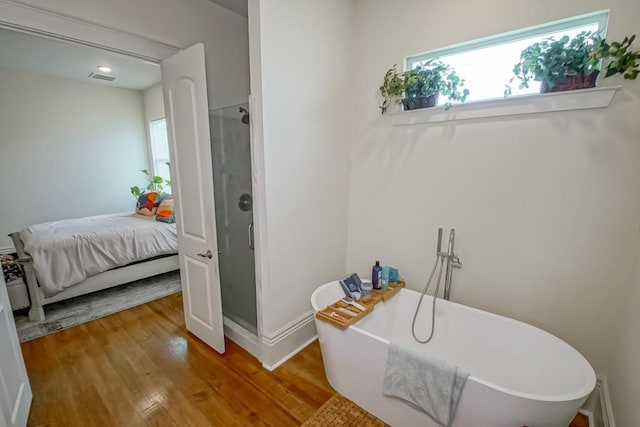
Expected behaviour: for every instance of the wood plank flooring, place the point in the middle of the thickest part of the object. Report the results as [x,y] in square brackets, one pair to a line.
[140,367]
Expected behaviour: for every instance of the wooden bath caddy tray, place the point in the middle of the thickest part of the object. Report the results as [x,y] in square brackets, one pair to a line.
[345,315]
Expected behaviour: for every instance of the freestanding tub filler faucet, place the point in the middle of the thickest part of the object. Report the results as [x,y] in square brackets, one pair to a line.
[452,262]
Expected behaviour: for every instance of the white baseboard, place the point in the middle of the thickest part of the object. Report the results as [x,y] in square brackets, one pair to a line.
[7,250]
[242,337]
[605,401]
[589,415]
[287,341]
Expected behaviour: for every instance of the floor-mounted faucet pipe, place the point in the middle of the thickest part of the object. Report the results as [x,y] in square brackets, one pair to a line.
[452,261]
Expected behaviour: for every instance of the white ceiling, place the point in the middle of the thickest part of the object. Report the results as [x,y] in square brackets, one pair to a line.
[237,6]
[41,55]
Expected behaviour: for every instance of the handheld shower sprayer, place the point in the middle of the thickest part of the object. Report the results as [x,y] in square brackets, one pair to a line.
[452,261]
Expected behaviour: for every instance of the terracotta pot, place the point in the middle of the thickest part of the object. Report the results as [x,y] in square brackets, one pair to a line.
[571,83]
[420,102]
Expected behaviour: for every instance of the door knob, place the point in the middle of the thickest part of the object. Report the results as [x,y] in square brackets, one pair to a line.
[207,254]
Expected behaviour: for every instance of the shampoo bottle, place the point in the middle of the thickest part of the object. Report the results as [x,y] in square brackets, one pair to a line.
[376,272]
[384,278]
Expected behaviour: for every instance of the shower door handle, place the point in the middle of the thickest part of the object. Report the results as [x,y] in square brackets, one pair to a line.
[250,232]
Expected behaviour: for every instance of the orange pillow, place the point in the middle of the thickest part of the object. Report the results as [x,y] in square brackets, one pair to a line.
[165,211]
[148,203]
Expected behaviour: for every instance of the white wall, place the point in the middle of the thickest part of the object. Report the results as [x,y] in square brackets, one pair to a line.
[179,23]
[545,206]
[305,52]
[624,377]
[153,101]
[68,149]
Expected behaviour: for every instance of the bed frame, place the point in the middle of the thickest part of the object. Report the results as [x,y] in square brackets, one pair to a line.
[106,280]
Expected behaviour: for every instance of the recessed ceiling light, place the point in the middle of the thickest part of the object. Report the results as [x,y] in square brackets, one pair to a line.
[104,69]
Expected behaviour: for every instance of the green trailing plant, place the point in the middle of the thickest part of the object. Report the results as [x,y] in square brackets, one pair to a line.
[551,61]
[392,88]
[431,78]
[156,183]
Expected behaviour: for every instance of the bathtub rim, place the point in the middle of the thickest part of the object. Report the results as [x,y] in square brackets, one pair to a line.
[589,386]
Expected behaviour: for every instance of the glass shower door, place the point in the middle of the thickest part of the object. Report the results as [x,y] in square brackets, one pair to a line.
[231,153]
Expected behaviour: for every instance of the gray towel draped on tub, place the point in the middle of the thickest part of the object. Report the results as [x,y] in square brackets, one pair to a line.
[427,383]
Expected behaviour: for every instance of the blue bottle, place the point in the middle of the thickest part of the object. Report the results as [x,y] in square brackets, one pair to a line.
[384,278]
[376,272]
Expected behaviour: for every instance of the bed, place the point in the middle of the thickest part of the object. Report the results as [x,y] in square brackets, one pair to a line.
[69,258]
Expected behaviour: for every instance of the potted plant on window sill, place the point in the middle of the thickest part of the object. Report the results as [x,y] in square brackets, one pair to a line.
[421,86]
[574,63]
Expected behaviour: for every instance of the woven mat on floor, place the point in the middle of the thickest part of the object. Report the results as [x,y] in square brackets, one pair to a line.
[338,411]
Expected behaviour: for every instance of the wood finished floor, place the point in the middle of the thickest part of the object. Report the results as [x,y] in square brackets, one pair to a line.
[140,367]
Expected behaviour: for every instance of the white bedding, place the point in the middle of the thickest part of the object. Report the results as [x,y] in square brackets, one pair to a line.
[67,252]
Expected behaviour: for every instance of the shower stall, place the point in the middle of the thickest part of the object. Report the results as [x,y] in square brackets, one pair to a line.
[231,157]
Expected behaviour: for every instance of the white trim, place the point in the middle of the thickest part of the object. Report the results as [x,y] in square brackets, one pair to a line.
[287,341]
[258,189]
[605,401]
[589,415]
[7,250]
[290,355]
[241,336]
[36,20]
[516,105]
[289,328]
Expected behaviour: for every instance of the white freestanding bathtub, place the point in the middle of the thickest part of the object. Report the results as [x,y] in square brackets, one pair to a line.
[520,375]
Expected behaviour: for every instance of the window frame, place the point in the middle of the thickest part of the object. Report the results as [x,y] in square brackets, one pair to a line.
[154,158]
[600,17]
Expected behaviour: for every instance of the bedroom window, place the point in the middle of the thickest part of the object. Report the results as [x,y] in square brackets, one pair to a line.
[486,64]
[160,149]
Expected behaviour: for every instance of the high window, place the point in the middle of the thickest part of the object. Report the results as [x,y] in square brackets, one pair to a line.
[486,64]
[160,149]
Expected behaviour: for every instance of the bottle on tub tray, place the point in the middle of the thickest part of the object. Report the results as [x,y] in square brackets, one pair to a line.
[376,272]
[384,278]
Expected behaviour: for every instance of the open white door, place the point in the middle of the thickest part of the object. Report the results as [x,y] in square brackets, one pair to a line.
[187,110]
[15,391]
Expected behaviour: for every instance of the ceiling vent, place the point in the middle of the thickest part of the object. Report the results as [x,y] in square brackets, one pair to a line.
[101,77]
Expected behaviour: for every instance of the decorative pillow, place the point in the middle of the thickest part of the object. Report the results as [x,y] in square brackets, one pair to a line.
[165,211]
[148,203]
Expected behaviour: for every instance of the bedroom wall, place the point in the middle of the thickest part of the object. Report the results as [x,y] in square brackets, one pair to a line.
[68,149]
[153,102]
[545,206]
[179,23]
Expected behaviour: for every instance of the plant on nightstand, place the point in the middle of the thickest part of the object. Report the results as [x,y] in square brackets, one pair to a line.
[421,86]
[574,63]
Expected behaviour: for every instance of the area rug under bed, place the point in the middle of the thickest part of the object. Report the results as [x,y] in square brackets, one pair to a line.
[65,314]
[339,411]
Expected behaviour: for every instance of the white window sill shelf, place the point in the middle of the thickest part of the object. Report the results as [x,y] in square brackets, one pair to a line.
[517,105]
